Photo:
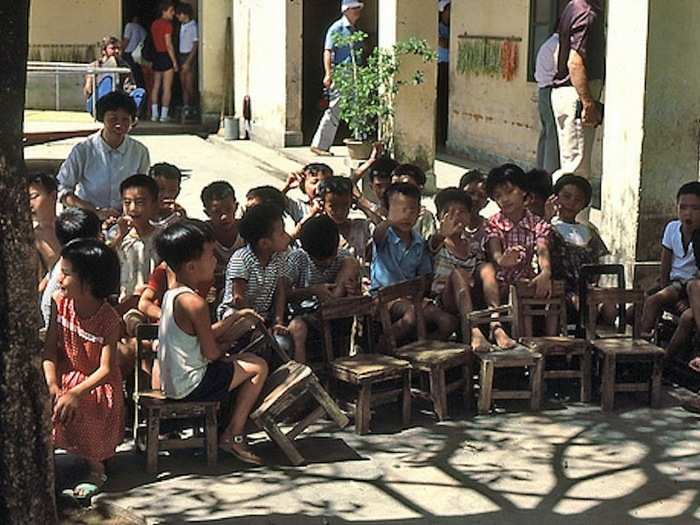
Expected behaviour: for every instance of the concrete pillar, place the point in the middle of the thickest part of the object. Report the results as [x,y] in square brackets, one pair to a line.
[212,23]
[651,121]
[415,105]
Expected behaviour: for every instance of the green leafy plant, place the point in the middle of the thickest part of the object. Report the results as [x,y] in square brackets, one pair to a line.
[368,91]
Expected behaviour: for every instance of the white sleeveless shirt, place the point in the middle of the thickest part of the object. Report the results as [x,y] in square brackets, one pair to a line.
[182,365]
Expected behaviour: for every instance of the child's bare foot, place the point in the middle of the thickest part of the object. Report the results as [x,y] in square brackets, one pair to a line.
[479,342]
[503,340]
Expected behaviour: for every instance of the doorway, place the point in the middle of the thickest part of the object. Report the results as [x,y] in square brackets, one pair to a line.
[318,17]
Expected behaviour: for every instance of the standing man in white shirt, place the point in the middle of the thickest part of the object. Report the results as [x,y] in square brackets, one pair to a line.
[187,55]
[134,35]
[90,176]
[545,70]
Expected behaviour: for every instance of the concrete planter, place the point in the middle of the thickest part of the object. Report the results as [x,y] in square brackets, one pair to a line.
[358,150]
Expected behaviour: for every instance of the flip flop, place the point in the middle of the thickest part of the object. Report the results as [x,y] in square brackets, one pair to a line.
[321,152]
[692,404]
[83,492]
[246,456]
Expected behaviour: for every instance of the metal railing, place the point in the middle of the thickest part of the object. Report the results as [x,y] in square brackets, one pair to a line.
[56,69]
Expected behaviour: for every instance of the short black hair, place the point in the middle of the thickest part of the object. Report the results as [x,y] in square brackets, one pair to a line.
[382,168]
[77,223]
[167,171]
[95,264]
[470,177]
[183,241]
[314,168]
[114,101]
[336,185]
[268,195]
[689,188]
[410,170]
[539,182]
[140,181]
[404,188]
[216,191]
[319,237]
[575,180]
[258,223]
[46,181]
[185,9]
[447,196]
[164,5]
[505,174]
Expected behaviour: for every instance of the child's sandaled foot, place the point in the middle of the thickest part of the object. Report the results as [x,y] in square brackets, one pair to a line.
[502,339]
[83,492]
[238,446]
[479,342]
[692,404]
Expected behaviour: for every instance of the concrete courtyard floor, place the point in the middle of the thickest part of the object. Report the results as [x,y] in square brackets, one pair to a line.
[567,464]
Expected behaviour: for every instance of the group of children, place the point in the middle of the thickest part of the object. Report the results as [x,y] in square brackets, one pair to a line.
[258,266]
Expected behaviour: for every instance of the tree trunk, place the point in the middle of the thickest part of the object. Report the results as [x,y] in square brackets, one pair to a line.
[26,454]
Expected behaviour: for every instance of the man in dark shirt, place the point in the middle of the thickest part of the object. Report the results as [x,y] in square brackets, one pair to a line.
[580,62]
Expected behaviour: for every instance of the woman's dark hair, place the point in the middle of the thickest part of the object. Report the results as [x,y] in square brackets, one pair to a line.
[539,183]
[268,195]
[140,181]
[46,181]
[575,180]
[448,196]
[77,223]
[404,188]
[410,170]
[217,191]
[114,101]
[507,173]
[382,168]
[183,241]
[167,171]
[319,237]
[336,185]
[470,177]
[95,264]
[258,223]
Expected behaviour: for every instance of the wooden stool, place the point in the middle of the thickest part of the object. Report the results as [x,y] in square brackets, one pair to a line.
[157,408]
[576,352]
[624,351]
[430,359]
[518,357]
[286,385]
[372,375]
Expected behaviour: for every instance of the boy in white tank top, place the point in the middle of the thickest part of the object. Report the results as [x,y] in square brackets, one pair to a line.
[192,350]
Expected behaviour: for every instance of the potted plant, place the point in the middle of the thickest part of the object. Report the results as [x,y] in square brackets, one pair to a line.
[367,91]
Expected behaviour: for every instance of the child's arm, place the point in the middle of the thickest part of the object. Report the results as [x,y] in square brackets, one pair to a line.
[666,260]
[377,150]
[380,233]
[363,204]
[292,181]
[240,287]
[315,208]
[147,304]
[543,280]
[504,258]
[192,314]
[280,304]
[68,403]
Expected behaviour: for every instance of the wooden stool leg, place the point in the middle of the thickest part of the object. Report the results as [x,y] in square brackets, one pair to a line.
[327,403]
[485,386]
[210,432]
[152,445]
[281,440]
[536,380]
[363,409]
[468,388]
[586,374]
[656,374]
[608,383]
[406,399]
[438,392]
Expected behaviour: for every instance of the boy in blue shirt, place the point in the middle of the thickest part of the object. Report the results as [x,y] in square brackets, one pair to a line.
[401,254]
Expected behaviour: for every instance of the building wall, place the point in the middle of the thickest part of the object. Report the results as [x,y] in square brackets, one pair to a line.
[493,120]
[212,24]
[71,22]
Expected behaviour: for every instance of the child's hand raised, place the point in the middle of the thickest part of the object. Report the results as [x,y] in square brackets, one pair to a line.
[377,151]
[512,256]
[66,407]
[450,225]
[293,180]
[551,208]
[695,364]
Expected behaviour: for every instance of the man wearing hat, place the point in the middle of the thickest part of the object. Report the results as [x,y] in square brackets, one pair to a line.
[332,56]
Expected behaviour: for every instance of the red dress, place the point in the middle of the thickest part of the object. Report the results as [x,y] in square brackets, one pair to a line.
[98,426]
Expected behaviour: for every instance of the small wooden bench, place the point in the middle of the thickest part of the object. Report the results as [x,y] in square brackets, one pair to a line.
[628,351]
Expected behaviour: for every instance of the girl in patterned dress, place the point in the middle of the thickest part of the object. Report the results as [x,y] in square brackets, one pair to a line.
[80,356]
